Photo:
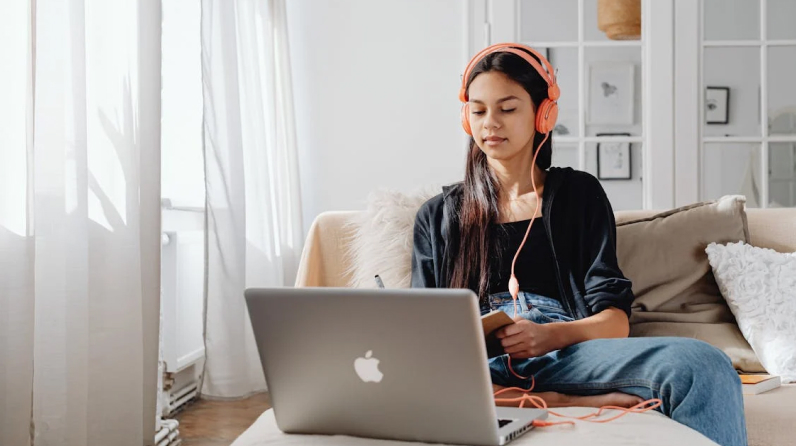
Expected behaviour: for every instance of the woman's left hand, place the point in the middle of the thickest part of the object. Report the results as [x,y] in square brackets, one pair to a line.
[526,339]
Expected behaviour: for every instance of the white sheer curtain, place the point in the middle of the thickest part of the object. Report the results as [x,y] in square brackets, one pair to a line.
[79,221]
[253,205]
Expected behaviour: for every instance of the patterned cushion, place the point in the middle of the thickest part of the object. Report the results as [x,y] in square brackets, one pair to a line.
[759,285]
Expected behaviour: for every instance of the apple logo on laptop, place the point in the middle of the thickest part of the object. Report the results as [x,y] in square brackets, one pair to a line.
[368,368]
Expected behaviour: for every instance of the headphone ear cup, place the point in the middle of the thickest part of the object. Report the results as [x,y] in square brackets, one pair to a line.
[546,116]
[466,119]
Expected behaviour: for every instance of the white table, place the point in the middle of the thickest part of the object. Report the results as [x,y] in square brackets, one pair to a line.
[644,429]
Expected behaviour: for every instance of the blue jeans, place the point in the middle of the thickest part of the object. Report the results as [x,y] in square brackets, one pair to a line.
[696,381]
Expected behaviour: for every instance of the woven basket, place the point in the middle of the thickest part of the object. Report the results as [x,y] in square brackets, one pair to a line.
[619,19]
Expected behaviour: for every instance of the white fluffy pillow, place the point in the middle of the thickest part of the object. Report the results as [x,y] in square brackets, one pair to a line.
[759,285]
[382,238]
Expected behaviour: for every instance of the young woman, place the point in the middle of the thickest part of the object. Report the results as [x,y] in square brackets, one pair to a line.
[572,300]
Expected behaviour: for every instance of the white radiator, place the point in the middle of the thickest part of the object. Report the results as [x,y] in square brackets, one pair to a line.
[182,280]
[169,434]
[182,308]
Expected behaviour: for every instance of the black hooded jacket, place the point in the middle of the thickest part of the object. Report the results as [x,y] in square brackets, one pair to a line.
[579,222]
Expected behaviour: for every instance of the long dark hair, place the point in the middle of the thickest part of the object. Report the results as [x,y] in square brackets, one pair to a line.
[479,203]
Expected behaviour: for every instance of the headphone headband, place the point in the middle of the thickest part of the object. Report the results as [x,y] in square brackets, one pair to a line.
[548,75]
[547,110]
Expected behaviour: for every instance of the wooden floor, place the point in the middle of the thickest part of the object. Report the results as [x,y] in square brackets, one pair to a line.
[219,423]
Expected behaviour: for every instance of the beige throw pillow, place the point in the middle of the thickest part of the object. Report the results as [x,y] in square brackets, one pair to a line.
[676,293]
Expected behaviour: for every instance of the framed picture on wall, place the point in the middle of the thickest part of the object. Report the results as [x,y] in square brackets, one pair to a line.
[717,105]
[611,93]
[613,159]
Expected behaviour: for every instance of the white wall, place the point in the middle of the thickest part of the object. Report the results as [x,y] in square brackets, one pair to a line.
[376,95]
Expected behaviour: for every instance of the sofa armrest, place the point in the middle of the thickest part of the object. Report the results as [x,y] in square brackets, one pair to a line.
[324,262]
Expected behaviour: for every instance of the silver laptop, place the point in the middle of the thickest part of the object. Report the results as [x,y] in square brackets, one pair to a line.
[402,364]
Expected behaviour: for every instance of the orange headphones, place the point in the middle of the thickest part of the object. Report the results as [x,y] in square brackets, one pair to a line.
[546,112]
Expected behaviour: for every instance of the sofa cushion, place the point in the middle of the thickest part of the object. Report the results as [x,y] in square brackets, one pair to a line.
[676,293]
[759,285]
[770,415]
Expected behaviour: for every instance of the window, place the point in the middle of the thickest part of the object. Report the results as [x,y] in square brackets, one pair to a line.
[182,171]
[15,85]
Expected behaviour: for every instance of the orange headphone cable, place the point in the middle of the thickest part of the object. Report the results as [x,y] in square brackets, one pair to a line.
[514,284]
[540,403]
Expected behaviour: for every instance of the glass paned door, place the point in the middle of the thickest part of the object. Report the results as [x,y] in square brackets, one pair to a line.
[748,63]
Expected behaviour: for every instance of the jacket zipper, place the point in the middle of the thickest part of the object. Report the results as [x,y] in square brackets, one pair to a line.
[546,220]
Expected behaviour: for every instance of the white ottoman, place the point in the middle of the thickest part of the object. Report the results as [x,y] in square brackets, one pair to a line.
[644,429]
